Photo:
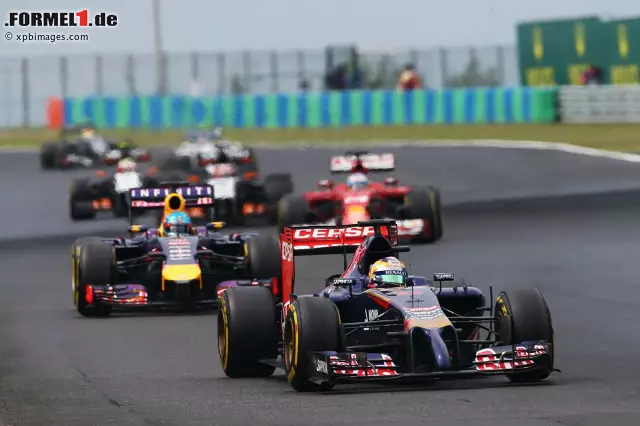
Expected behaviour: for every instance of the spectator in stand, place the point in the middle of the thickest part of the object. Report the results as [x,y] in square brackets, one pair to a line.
[593,75]
[409,79]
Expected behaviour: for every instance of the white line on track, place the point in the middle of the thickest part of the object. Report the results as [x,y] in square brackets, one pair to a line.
[486,143]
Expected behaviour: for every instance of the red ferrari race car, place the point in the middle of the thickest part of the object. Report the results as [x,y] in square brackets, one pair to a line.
[417,210]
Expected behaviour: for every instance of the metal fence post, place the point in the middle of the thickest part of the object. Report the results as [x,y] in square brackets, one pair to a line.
[26,103]
[273,66]
[195,68]
[221,74]
[444,67]
[64,76]
[99,75]
[300,62]
[247,74]
[130,75]
[162,64]
[500,65]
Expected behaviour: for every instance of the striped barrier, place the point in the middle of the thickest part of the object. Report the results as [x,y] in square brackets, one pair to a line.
[311,110]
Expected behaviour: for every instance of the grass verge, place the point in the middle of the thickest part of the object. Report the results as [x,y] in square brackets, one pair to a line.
[618,137]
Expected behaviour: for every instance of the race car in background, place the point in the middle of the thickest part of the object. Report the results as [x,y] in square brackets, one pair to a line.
[417,210]
[361,330]
[82,147]
[106,191]
[207,147]
[241,195]
[150,269]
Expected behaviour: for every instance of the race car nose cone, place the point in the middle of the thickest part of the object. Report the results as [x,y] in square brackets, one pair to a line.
[181,273]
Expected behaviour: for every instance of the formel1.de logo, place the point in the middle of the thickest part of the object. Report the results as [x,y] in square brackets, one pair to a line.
[81,18]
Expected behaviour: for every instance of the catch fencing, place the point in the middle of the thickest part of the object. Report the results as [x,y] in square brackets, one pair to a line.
[27,83]
[311,110]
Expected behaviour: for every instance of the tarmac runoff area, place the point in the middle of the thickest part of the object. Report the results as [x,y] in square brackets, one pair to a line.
[513,220]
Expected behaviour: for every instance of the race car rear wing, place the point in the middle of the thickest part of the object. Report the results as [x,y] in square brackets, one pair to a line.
[362,162]
[154,198]
[324,239]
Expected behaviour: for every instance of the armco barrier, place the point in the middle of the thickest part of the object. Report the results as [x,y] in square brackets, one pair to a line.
[313,110]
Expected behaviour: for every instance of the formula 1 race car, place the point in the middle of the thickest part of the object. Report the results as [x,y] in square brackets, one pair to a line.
[356,331]
[82,147]
[417,210]
[202,148]
[240,195]
[151,269]
[106,191]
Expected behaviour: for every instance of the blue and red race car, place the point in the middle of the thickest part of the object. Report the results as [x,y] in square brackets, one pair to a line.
[354,331]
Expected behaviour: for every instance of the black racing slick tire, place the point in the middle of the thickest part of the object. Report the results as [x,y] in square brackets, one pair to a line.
[247,332]
[80,208]
[312,324]
[92,265]
[522,316]
[263,257]
[424,203]
[293,210]
[277,185]
[48,155]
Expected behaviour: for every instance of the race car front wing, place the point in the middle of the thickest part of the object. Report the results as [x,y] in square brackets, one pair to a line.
[334,367]
[130,296]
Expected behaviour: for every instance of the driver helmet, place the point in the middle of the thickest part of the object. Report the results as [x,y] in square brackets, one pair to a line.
[126,165]
[387,272]
[357,181]
[192,137]
[88,134]
[176,224]
[215,134]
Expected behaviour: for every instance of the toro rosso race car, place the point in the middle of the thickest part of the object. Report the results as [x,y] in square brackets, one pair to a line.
[358,330]
[172,266]
[417,210]
[105,191]
[82,147]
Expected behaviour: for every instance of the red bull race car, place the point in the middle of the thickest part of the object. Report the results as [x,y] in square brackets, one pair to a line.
[172,266]
[418,211]
[359,329]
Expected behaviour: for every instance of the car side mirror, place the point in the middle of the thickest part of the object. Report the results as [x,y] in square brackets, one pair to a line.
[391,181]
[329,281]
[325,184]
[138,229]
[212,226]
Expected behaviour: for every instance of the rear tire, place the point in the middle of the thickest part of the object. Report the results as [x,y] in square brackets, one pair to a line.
[263,257]
[524,316]
[293,210]
[312,324]
[277,185]
[48,156]
[92,265]
[425,204]
[247,332]
[79,207]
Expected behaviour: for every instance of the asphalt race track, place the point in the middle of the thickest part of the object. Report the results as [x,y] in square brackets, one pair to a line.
[57,368]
